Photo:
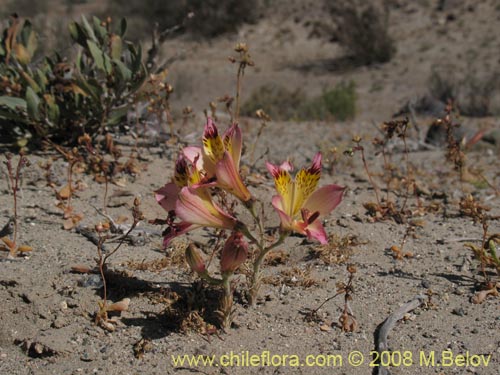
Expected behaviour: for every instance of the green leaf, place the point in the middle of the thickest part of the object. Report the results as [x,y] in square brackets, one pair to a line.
[100,31]
[123,27]
[90,87]
[101,60]
[41,79]
[29,38]
[88,29]
[26,31]
[33,102]
[29,80]
[52,108]
[8,115]
[14,104]
[124,72]
[136,57]
[116,47]
[77,34]
[116,115]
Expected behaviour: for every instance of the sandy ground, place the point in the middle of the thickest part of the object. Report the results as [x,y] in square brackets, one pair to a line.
[47,311]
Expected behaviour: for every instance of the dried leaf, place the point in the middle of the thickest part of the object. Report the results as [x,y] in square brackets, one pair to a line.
[24,248]
[483,294]
[81,268]
[10,244]
[64,193]
[68,224]
[122,182]
[120,305]
[325,328]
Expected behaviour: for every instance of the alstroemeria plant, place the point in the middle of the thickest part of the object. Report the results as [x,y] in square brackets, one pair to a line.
[203,173]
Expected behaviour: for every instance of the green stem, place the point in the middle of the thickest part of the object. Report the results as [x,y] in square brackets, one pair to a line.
[211,280]
[227,301]
[255,285]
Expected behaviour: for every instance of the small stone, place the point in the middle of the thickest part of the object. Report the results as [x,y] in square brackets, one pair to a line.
[426,284]
[86,357]
[458,311]
[325,328]
[59,322]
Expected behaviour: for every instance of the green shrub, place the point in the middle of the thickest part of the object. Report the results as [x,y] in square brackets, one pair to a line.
[59,99]
[338,103]
[278,102]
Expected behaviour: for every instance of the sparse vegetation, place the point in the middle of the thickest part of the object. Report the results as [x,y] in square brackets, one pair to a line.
[363,30]
[338,103]
[472,92]
[211,18]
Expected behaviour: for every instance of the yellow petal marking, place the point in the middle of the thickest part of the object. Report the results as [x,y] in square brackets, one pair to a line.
[306,182]
[213,148]
[284,187]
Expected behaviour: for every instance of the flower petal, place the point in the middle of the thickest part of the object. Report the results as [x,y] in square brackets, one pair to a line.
[284,186]
[228,178]
[167,196]
[325,199]
[306,182]
[176,230]
[286,221]
[315,230]
[233,143]
[234,253]
[213,147]
[196,207]
[194,155]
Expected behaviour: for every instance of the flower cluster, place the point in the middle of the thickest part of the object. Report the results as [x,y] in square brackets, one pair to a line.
[188,199]
[197,170]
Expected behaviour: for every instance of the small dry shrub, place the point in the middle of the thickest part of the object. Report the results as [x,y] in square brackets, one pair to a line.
[362,29]
[175,258]
[474,93]
[295,276]
[211,17]
[337,251]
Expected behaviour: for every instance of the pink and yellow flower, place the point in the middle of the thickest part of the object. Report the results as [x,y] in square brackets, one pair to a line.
[299,204]
[221,159]
[196,209]
[196,170]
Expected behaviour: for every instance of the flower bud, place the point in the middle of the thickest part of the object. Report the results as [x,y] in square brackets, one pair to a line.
[234,253]
[194,259]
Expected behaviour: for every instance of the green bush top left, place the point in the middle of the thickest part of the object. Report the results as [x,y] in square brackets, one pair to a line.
[60,98]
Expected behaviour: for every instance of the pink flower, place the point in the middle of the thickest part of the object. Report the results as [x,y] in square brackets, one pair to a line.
[188,172]
[299,205]
[221,159]
[196,209]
